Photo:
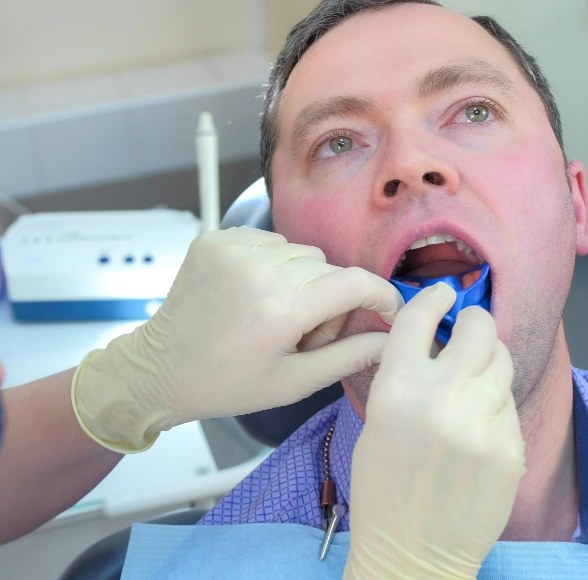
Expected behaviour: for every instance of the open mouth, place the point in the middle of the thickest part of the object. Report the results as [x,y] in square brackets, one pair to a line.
[438,256]
[444,258]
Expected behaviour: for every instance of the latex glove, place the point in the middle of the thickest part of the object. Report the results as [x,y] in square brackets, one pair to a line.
[229,339]
[436,469]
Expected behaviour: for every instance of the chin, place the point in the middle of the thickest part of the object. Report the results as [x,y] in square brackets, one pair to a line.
[357,388]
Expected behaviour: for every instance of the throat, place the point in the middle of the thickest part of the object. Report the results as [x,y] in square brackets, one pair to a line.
[437,269]
[434,261]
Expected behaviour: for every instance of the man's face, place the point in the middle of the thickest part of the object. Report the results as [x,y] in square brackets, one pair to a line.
[412,121]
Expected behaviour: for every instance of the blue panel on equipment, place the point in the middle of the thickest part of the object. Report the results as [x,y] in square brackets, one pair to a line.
[85,310]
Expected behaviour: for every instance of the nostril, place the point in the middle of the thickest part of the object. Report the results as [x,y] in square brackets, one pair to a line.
[391,187]
[434,178]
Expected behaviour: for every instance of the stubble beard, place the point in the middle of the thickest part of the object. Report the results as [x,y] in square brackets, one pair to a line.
[534,350]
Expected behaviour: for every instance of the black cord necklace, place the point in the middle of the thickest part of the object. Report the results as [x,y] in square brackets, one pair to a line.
[332,512]
[329,488]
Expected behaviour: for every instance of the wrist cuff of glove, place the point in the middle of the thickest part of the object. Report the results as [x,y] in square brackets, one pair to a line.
[92,422]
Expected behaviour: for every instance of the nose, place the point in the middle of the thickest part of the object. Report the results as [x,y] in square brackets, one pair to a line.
[416,166]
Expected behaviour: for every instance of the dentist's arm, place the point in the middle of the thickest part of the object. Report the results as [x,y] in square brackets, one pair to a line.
[248,324]
[437,466]
[47,463]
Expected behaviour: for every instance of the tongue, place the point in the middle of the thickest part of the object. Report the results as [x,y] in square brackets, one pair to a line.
[437,260]
[439,268]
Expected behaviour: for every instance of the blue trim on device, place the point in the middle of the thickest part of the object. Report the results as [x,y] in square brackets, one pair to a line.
[58,311]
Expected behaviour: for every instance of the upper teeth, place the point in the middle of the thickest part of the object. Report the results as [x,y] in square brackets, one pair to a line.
[441,239]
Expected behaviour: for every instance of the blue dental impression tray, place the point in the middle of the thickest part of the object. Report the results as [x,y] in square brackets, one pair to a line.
[478,294]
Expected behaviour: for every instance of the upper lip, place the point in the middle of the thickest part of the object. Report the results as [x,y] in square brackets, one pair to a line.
[422,231]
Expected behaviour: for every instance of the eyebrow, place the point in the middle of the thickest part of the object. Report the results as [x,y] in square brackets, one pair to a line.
[319,111]
[471,72]
[434,82]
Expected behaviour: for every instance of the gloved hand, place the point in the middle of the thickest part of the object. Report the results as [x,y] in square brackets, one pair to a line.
[436,469]
[248,324]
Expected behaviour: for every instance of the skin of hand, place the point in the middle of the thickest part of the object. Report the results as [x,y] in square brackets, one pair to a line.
[249,324]
[436,469]
[47,463]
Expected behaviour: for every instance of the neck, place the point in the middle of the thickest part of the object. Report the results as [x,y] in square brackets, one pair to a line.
[546,507]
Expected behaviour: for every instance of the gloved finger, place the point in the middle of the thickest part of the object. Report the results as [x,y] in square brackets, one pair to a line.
[287,253]
[415,325]
[513,448]
[323,334]
[295,263]
[502,367]
[343,290]
[471,346]
[329,330]
[219,250]
[505,435]
[241,235]
[497,381]
[322,367]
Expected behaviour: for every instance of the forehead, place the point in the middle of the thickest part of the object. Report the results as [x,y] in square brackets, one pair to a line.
[387,51]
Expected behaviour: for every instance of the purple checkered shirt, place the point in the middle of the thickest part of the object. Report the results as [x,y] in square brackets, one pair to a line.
[286,486]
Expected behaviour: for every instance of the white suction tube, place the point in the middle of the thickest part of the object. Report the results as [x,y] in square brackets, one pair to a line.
[208,171]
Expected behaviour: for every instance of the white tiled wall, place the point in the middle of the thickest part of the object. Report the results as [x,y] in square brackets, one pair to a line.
[84,148]
[85,131]
[19,170]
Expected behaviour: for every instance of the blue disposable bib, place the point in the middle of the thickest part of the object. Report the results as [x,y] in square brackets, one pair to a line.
[291,552]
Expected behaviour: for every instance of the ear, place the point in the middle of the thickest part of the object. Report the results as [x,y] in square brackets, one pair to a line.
[577,177]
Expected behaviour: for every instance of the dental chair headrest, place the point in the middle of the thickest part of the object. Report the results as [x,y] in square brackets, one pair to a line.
[251,208]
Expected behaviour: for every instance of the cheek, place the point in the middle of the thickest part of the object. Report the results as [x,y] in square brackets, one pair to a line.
[318,219]
[526,185]
[300,219]
[529,196]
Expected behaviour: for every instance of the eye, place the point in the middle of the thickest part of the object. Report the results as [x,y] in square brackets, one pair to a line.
[335,144]
[341,145]
[477,113]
